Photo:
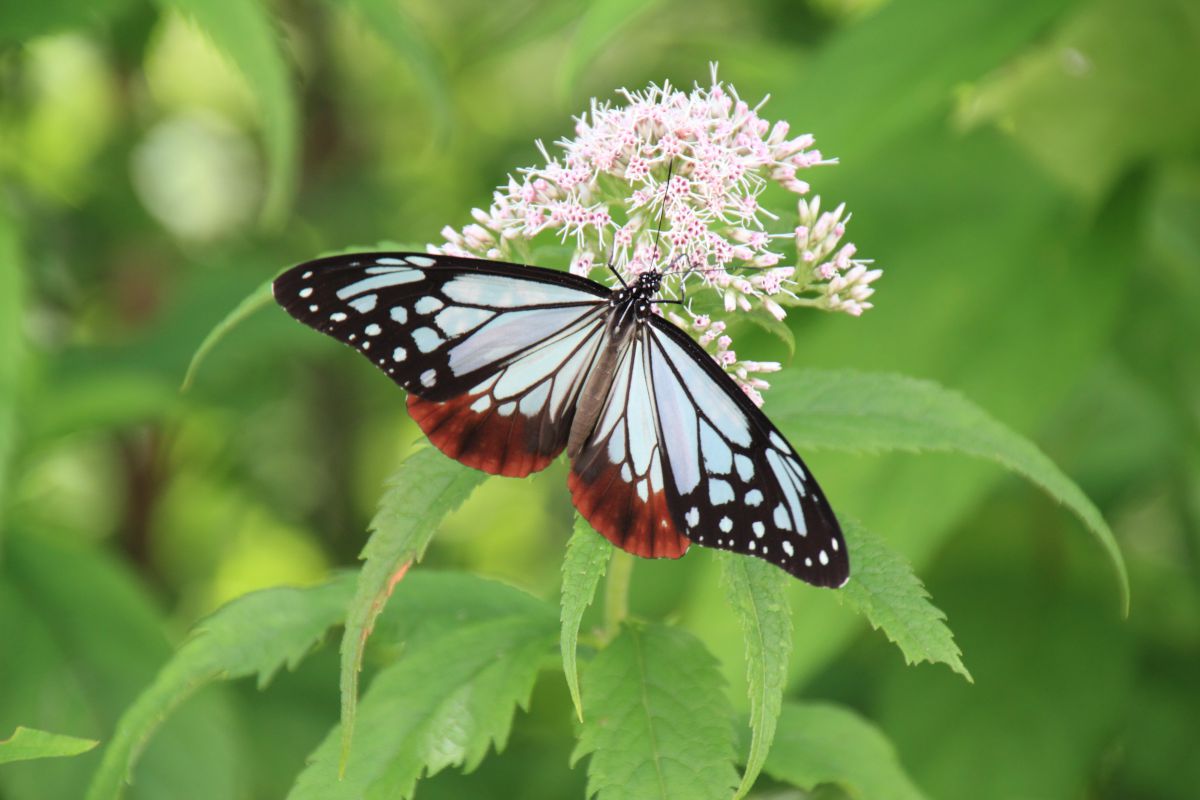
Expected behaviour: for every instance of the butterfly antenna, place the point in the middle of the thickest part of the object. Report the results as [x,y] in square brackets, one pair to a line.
[613,269]
[663,207]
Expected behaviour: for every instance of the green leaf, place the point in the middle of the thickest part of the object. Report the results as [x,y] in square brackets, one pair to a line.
[847,410]
[776,327]
[244,32]
[883,588]
[12,344]
[443,704]
[588,554]
[658,725]
[254,635]
[427,487]
[757,592]
[257,299]
[821,743]
[388,20]
[90,640]
[29,743]
[600,23]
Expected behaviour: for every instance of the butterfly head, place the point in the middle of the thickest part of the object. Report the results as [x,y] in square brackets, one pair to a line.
[644,292]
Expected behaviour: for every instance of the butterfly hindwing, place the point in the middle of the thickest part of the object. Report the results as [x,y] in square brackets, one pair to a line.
[617,480]
[492,355]
[733,480]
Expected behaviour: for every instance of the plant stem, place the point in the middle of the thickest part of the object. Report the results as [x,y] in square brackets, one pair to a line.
[616,592]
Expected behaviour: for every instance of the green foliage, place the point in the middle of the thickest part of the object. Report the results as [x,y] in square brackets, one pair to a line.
[260,298]
[428,487]
[588,554]
[884,589]
[821,743]
[29,743]
[659,723]
[1041,253]
[758,594]
[245,33]
[872,412]
[11,348]
[255,635]
[442,704]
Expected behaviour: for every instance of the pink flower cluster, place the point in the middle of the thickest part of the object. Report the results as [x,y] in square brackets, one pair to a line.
[671,181]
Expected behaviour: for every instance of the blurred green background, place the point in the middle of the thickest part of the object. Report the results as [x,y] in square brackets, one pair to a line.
[1027,172]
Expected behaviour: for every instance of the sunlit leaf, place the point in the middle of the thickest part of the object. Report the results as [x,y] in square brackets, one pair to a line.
[818,743]
[883,588]
[757,592]
[427,487]
[445,703]
[588,554]
[658,722]
[244,31]
[257,634]
[872,412]
[29,743]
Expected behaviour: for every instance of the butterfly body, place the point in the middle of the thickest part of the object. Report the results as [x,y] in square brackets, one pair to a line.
[506,366]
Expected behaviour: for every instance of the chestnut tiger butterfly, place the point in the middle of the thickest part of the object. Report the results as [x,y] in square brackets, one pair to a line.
[506,366]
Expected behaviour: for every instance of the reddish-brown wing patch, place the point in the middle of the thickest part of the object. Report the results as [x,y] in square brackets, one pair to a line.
[512,445]
[614,508]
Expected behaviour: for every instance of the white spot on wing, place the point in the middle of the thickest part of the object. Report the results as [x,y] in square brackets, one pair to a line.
[372,330]
[759,529]
[399,314]
[428,378]
[642,489]
[306,292]
[782,518]
[787,548]
[719,492]
[823,557]
[692,518]
[754,497]
[421,261]
[427,340]
[338,316]
[365,303]
[399,354]
[482,404]
[428,305]
[726,524]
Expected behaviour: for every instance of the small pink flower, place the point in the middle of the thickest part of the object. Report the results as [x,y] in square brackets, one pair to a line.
[705,227]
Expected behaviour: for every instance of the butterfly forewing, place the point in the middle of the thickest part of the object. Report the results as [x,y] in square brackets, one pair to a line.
[733,480]
[492,355]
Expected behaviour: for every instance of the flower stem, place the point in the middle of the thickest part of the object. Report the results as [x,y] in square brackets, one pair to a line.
[616,593]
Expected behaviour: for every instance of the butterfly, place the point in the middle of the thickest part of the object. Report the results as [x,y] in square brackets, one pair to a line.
[507,365]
